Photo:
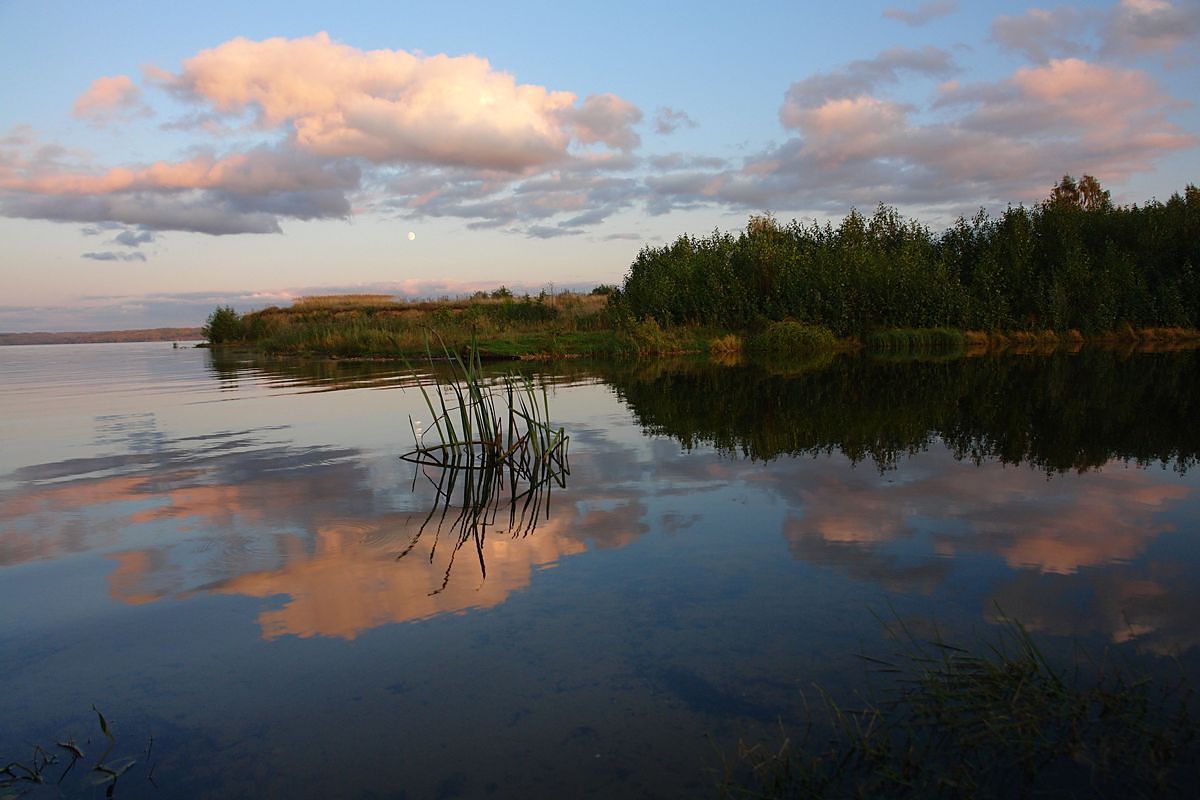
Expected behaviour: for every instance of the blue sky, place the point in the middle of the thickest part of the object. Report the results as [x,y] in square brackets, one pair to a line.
[156,161]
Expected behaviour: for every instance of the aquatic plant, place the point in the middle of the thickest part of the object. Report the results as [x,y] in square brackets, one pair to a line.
[1003,724]
[53,765]
[489,446]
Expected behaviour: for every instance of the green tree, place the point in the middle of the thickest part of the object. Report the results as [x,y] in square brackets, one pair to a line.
[223,325]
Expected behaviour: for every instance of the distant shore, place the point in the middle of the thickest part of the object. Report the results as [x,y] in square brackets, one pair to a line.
[100,337]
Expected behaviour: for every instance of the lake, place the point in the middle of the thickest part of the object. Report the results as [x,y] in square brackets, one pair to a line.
[229,559]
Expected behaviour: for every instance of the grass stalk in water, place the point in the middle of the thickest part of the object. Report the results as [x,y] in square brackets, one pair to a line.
[56,766]
[1003,724]
[489,446]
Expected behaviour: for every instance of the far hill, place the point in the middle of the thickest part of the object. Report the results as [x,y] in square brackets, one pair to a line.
[96,337]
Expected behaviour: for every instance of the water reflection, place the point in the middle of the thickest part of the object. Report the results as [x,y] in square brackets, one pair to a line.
[336,541]
[201,547]
[1058,412]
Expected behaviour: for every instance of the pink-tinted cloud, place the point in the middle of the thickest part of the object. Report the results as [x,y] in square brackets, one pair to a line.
[109,99]
[241,193]
[390,105]
[257,171]
[1130,29]
[450,135]
[994,141]
[1139,27]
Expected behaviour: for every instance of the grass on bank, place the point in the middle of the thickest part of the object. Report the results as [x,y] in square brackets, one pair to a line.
[1002,723]
[570,325]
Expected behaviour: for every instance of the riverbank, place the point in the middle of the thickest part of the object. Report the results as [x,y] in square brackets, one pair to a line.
[102,337]
[571,325]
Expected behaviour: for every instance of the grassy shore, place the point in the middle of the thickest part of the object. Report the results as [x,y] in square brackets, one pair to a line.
[569,325]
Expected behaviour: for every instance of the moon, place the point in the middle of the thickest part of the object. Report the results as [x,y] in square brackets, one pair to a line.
[411,236]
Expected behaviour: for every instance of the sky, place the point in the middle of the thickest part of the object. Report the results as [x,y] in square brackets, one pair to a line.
[160,159]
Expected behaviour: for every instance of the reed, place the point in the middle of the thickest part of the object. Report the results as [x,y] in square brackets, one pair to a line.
[906,340]
[489,447]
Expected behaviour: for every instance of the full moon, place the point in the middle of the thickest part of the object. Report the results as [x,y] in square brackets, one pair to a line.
[411,236]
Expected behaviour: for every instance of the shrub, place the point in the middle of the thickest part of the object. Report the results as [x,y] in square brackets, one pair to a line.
[223,325]
[790,336]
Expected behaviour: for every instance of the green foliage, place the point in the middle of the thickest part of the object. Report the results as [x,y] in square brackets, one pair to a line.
[398,329]
[224,325]
[910,340]
[1072,262]
[789,336]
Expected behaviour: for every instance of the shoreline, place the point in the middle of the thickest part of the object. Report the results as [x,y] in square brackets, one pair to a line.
[685,340]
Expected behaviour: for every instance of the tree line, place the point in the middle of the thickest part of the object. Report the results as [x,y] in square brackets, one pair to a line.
[1073,261]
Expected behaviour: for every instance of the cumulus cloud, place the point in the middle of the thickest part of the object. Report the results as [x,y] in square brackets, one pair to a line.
[1130,29]
[109,99]
[604,119]
[455,136]
[244,192]
[924,13]
[1139,27]
[993,141]
[342,130]
[667,120]
[390,105]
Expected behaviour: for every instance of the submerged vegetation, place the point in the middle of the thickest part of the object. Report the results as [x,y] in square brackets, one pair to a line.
[65,767]
[953,723]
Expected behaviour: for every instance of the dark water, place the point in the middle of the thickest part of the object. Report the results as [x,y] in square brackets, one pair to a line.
[207,551]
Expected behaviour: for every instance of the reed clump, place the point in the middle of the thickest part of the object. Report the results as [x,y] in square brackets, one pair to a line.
[906,340]
[727,345]
[489,447]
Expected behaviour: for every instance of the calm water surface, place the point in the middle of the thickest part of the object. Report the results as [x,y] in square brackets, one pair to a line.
[206,549]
